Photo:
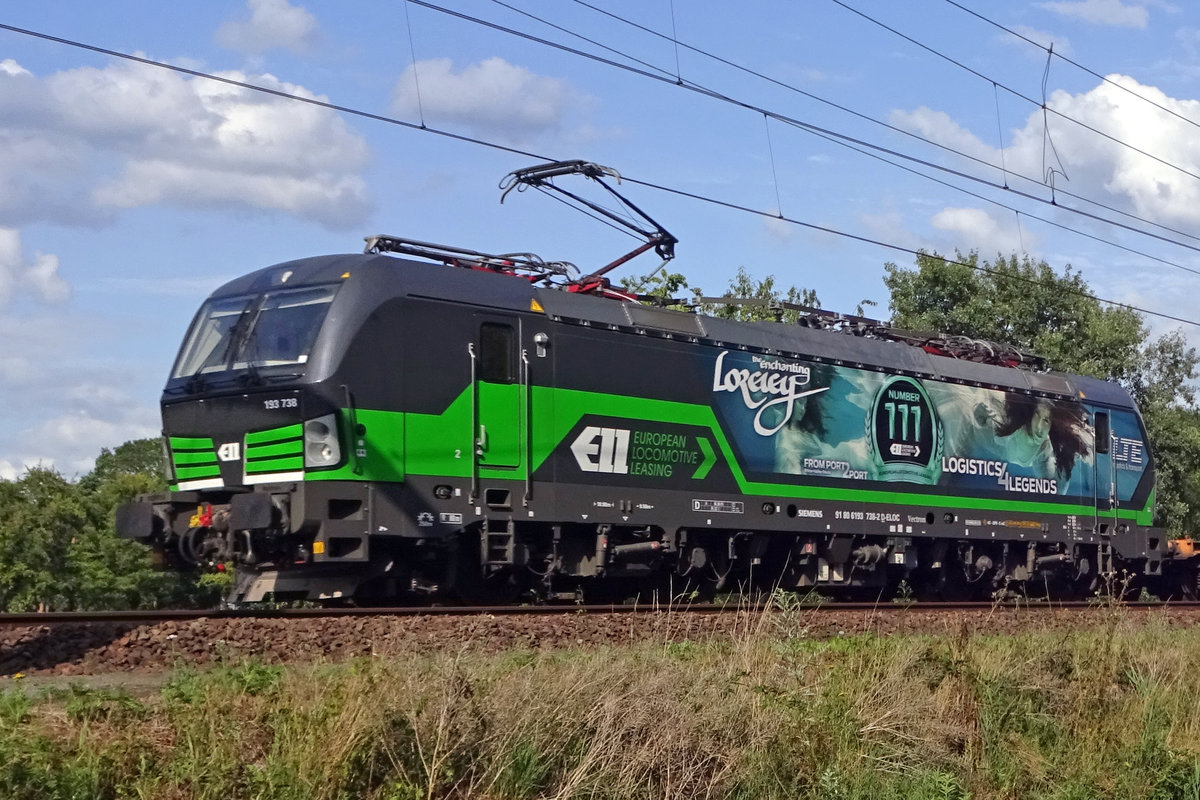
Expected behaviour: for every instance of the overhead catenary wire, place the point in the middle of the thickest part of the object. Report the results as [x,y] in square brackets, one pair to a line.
[845,109]
[901,249]
[1012,91]
[312,101]
[1043,220]
[842,138]
[839,138]
[412,49]
[862,146]
[1050,51]
[516,151]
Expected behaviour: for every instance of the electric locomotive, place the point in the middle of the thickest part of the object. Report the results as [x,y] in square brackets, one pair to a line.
[371,427]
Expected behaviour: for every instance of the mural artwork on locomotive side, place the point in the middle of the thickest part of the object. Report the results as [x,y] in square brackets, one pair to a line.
[789,420]
[816,420]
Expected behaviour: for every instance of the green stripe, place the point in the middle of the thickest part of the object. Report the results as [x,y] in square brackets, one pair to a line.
[432,440]
[275,465]
[187,443]
[571,405]
[282,449]
[190,473]
[275,434]
[185,458]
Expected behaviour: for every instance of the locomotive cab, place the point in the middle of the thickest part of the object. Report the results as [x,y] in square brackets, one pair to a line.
[265,448]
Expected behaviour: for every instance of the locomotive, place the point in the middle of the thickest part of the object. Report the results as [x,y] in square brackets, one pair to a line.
[428,421]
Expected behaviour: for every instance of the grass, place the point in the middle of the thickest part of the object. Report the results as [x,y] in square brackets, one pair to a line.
[1108,710]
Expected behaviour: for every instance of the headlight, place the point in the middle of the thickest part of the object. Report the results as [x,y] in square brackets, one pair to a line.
[321,448]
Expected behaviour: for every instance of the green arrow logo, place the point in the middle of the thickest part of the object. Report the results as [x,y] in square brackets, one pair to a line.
[710,458]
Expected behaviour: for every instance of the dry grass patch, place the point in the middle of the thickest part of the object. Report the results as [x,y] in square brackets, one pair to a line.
[1110,711]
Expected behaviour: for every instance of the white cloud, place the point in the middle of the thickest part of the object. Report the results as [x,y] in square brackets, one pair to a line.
[1061,44]
[890,225]
[61,407]
[976,229]
[41,277]
[7,471]
[10,67]
[81,145]
[1100,168]
[492,96]
[941,127]
[1101,12]
[71,442]
[272,24]
[95,415]
[338,203]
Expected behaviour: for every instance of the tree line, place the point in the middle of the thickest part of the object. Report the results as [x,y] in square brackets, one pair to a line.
[59,551]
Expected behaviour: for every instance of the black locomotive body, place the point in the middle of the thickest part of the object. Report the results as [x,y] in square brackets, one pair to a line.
[370,427]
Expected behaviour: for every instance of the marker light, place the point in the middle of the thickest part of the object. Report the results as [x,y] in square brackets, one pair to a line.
[321,448]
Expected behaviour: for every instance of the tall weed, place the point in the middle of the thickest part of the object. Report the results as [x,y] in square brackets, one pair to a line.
[1107,710]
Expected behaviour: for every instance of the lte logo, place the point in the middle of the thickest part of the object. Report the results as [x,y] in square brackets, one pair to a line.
[230,451]
[602,450]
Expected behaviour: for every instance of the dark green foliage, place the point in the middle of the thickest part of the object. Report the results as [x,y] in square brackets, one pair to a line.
[768,300]
[141,458]
[660,285]
[764,296]
[41,518]
[1162,385]
[1019,302]
[58,549]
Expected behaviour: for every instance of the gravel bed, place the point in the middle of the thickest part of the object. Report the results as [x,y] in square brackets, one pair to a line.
[122,647]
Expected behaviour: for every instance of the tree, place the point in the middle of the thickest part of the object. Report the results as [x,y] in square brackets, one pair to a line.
[1018,302]
[766,300]
[659,284]
[40,516]
[1025,303]
[58,548]
[110,572]
[136,457]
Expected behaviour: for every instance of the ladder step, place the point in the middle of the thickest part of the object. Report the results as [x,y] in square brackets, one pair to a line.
[497,546]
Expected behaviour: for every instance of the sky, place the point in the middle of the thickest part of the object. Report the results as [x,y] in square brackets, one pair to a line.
[813,140]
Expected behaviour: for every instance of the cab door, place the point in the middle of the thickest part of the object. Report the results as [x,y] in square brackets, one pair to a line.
[499,423]
[1105,477]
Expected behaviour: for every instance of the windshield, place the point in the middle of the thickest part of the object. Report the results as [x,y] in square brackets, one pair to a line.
[274,329]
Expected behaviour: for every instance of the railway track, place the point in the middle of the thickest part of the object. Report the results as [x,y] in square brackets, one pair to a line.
[128,642]
[184,615]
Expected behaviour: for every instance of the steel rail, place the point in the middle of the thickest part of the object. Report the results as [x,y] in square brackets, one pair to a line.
[888,607]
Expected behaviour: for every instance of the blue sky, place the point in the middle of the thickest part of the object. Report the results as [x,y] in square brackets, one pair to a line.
[128,192]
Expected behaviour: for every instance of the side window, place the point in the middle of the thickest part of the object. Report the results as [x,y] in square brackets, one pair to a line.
[1103,431]
[497,353]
